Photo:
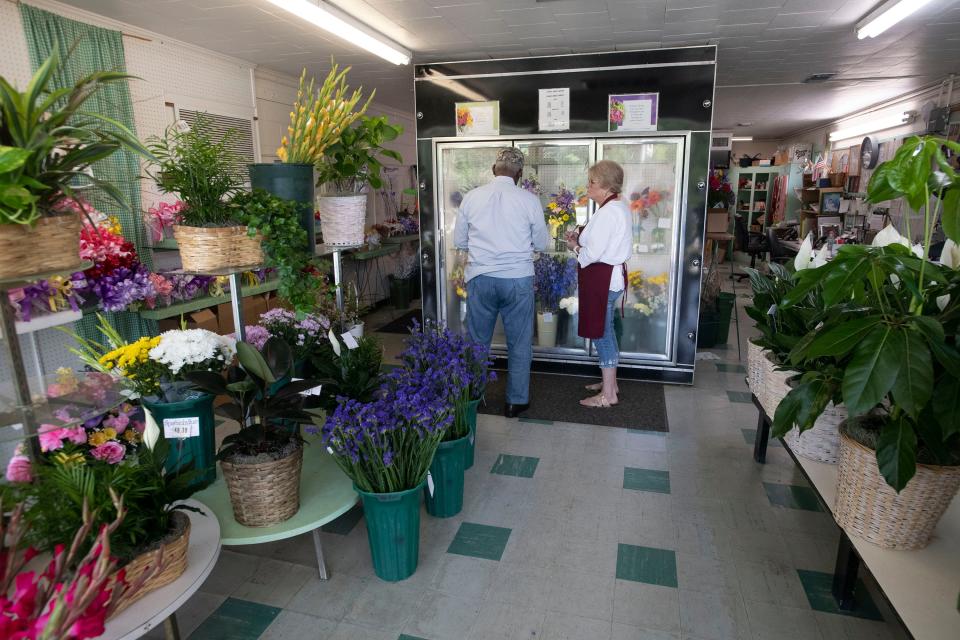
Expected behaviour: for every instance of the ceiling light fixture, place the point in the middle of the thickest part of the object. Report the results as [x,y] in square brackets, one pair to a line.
[741,139]
[886,15]
[345,28]
[876,124]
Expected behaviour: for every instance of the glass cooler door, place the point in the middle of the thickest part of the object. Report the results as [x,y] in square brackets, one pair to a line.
[652,188]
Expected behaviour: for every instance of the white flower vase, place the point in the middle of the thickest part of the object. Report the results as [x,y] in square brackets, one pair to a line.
[547,329]
[357,330]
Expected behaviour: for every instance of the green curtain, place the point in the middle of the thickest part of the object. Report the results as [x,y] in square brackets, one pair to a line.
[87,49]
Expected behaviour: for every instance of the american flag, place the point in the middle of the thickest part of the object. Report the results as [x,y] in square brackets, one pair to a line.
[821,165]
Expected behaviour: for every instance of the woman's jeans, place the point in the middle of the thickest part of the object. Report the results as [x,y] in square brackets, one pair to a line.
[607,348]
[512,299]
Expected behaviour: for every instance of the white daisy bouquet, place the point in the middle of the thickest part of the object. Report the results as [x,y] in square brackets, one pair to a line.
[183,350]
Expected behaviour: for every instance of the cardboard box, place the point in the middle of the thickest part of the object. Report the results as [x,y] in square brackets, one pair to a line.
[253,307]
[718,221]
[202,319]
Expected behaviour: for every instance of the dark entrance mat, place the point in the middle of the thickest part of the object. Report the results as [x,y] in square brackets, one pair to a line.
[402,324]
[557,398]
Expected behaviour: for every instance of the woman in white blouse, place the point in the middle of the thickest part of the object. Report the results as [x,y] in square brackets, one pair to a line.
[602,248]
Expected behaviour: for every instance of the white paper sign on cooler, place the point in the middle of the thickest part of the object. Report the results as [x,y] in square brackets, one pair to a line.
[181,427]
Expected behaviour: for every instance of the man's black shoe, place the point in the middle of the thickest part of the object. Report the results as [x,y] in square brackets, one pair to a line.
[514,410]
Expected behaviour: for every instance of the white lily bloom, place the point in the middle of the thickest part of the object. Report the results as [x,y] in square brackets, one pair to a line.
[334,342]
[819,259]
[943,301]
[950,256]
[804,255]
[889,236]
[917,250]
[151,432]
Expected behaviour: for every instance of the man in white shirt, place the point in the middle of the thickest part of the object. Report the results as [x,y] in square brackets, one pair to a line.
[499,227]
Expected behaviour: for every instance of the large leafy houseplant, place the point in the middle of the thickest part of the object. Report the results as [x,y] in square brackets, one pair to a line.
[885,345]
[199,166]
[48,141]
[348,373]
[353,161]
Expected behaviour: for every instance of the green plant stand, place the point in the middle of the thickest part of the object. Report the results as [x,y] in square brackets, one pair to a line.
[198,452]
[447,468]
[470,451]
[393,531]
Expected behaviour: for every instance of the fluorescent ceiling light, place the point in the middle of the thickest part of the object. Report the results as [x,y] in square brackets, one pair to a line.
[346,29]
[887,15]
[741,139]
[876,124]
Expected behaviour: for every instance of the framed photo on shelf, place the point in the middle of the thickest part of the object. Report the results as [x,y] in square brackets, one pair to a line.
[825,230]
[830,201]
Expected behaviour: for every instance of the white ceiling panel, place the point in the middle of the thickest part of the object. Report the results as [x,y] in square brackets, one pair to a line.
[765,47]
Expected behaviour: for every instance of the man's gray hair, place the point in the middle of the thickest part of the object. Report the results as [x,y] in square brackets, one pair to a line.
[509,159]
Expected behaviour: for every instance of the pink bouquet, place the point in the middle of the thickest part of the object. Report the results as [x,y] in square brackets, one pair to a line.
[163,216]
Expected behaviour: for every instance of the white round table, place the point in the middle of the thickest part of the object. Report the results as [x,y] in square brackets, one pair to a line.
[157,606]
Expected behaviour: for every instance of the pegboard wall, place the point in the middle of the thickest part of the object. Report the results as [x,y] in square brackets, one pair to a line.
[14,57]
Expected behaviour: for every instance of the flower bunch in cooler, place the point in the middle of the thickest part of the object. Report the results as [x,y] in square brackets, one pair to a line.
[648,201]
[561,210]
[532,185]
[650,292]
[554,279]
[387,445]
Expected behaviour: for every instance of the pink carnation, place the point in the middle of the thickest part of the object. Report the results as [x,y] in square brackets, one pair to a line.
[51,437]
[118,422]
[18,469]
[77,435]
[111,452]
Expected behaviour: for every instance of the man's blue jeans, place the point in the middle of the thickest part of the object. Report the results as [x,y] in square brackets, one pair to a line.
[512,298]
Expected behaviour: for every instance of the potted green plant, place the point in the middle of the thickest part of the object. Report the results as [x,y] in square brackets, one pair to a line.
[886,347]
[48,142]
[347,373]
[202,168]
[319,116]
[347,167]
[386,447]
[285,245]
[261,463]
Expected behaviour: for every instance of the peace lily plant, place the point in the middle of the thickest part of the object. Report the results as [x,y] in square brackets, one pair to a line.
[886,346]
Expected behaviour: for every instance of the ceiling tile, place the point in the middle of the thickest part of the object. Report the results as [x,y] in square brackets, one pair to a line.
[576,20]
[809,19]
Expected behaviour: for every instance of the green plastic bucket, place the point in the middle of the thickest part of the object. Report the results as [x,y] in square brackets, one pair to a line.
[393,531]
[470,450]
[708,329]
[399,292]
[194,415]
[446,470]
[725,306]
[289,181]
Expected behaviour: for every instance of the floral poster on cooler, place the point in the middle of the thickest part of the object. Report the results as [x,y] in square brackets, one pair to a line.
[633,112]
[478,118]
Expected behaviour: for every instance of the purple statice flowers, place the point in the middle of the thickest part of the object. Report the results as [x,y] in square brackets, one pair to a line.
[554,278]
[121,287]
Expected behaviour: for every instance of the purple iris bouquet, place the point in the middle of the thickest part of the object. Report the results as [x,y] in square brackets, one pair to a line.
[554,279]
[466,366]
[387,445]
[122,287]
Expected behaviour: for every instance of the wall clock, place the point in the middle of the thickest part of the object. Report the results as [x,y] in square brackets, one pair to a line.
[868,154]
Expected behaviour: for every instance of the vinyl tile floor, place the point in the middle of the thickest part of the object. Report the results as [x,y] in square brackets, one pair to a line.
[579,532]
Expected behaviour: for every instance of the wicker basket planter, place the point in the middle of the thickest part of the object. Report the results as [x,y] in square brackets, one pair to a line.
[342,219]
[867,507]
[172,555]
[52,244]
[264,493]
[774,386]
[204,249]
[822,442]
[755,368]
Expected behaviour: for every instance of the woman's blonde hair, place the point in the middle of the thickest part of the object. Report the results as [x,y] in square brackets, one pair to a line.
[608,174]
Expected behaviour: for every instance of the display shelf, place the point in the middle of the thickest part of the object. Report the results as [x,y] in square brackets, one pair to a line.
[196,304]
[167,244]
[329,249]
[47,321]
[19,281]
[400,239]
[375,253]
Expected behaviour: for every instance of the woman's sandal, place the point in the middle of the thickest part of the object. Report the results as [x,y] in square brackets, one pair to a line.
[598,401]
[598,386]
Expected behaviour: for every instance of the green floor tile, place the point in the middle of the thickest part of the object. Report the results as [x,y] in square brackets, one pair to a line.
[739,396]
[535,421]
[404,636]
[750,436]
[344,524]
[480,541]
[236,619]
[646,432]
[818,587]
[723,367]
[520,466]
[647,564]
[792,496]
[646,480]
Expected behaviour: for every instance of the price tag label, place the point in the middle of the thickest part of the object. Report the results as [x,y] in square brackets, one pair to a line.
[349,340]
[181,427]
[664,223]
[430,483]
[314,391]
[547,316]
[330,450]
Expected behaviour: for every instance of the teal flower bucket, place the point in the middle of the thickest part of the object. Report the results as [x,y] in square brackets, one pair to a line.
[469,451]
[393,531]
[189,427]
[446,470]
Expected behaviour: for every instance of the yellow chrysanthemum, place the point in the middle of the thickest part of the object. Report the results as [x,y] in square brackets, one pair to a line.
[97,438]
[67,459]
[132,436]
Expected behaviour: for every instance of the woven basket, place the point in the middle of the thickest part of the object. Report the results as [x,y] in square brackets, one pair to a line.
[755,368]
[52,244]
[775,385]
[263,494]
[173,563]
[211,248]
[867,507]
[342,219]
[822,442]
